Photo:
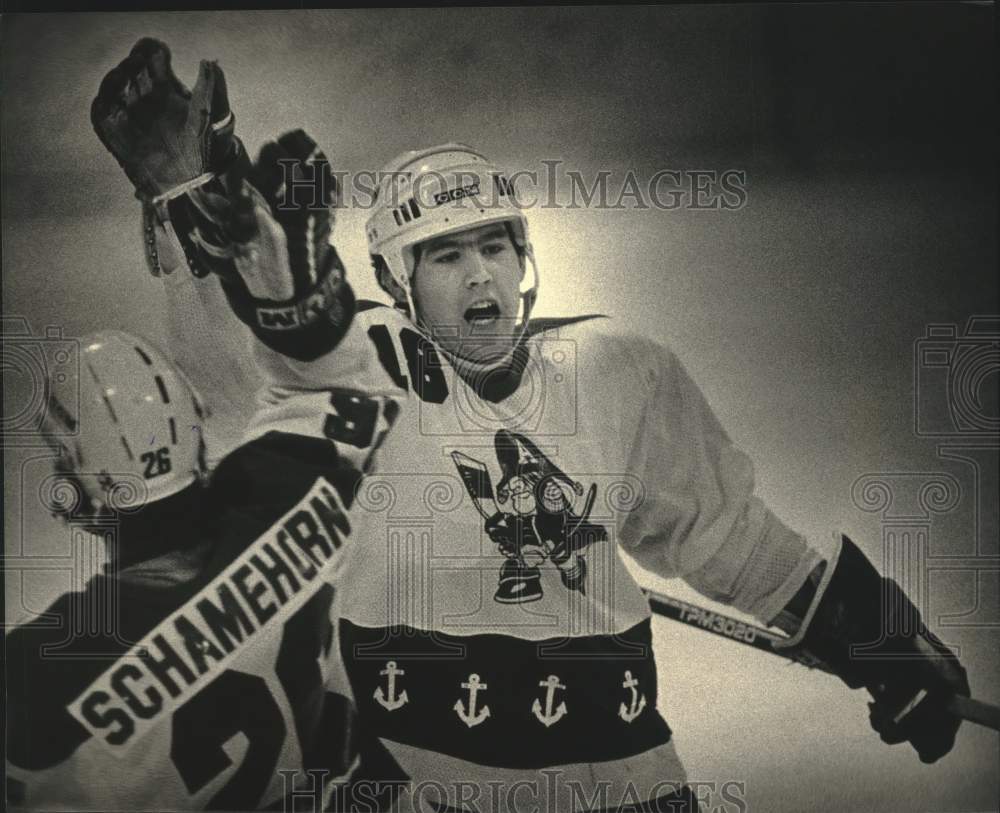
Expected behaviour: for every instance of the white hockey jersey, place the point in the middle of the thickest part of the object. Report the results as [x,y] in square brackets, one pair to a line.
[494,639]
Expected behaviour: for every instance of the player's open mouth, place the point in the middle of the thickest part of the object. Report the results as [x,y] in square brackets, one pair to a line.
[483,312]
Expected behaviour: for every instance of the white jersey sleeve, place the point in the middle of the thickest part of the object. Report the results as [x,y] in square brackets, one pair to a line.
[205,338]
[700,518]
[217,352]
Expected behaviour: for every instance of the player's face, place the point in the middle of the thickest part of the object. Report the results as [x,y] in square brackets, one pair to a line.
[466,287]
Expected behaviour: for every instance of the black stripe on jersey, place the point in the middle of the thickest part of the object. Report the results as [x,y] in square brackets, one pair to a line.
[367,304]
[50,660]
[162,388]
[540,325]
[591,672]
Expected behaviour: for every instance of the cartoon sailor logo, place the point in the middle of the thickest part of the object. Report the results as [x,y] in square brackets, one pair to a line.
[532,516]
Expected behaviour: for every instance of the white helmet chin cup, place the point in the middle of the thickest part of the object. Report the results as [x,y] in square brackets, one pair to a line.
[130,434]
[425,194]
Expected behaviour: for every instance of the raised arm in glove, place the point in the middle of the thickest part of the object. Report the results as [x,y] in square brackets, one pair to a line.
[263,228]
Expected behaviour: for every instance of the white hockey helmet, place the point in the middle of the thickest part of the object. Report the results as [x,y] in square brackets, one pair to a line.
[423,194]
[129,435]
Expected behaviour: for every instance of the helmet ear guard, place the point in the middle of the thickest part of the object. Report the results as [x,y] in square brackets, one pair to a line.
[386,281]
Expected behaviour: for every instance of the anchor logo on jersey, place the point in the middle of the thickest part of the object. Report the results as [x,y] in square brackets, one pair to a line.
[535,520]
[469,715]
[389,700]
[549,716]
[638,703]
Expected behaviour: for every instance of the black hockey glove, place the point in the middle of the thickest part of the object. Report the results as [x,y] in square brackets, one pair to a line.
[265,231]
[166,138]
[169,140]
[870,634]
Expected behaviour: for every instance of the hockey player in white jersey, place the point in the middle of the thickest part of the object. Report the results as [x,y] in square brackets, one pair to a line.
[495,641]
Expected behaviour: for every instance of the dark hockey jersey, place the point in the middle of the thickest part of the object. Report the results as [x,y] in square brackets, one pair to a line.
[218,693]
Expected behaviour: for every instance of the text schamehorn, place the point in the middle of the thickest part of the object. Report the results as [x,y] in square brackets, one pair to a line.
[258,591]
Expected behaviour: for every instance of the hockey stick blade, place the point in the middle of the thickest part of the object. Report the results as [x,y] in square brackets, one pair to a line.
[975,711]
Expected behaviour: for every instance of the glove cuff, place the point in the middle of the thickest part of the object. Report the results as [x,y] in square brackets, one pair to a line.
[797,616]
[859,621]
[225,152]
[305,327]
[183,189]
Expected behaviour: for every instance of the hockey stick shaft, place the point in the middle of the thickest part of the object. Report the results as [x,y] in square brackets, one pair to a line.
[725,626]
[975,711]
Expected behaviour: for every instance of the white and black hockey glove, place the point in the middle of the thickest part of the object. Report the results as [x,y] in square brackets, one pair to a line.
[863,626]
[263,229]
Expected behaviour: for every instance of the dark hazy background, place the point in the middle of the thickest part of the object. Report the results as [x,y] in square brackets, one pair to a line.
[867,135]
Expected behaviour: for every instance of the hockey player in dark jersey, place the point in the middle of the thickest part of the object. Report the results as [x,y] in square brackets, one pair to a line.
[195,672]
[481,696]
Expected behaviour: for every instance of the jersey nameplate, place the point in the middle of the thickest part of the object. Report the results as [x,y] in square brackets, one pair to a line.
[249,600]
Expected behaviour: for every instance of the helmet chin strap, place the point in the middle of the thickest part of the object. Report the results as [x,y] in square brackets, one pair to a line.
[525,306]
[529,297]
[413,310]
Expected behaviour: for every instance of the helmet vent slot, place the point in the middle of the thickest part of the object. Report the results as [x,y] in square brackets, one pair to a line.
[162,388]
